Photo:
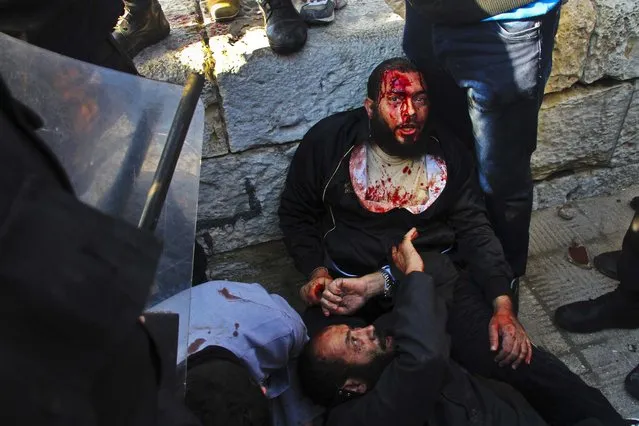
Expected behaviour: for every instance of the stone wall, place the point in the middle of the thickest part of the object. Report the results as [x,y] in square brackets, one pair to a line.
[260,104]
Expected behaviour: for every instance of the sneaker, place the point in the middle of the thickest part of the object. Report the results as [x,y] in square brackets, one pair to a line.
[140,27]
[223,10]
[615,309]
[285,29]
[606,263]
[318,11]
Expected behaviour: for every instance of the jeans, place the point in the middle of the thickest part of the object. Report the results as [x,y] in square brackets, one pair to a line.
[486,81]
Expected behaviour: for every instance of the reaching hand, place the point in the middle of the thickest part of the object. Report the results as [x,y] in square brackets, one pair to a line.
[345,296]
[405,256]
[515,343]
[311,292]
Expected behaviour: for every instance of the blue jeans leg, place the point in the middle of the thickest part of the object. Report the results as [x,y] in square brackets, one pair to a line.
[502,68]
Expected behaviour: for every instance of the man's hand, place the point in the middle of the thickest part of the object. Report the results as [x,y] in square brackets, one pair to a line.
[311,292]
[405,256]
[345,296]
[515,343]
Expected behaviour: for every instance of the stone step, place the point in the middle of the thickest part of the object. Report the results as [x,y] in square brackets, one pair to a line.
[271,99]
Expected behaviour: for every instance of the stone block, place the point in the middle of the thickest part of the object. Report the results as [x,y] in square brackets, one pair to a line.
[579,127]
[614,46]
[577,22]
[215,143]
[270,99]
[589,183]
[239,196]
[627,150]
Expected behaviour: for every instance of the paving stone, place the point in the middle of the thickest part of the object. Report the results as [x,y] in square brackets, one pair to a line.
[549,232]
[538,323]
[611,362]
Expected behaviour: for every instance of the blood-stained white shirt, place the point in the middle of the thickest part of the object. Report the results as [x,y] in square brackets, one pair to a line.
[382,182]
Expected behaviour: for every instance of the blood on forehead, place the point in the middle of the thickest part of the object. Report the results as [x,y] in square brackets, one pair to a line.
[395,81]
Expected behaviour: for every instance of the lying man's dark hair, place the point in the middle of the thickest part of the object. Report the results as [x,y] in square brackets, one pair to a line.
[375,79]
[320,378]
[220,392]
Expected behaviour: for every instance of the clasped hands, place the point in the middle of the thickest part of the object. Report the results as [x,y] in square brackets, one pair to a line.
[344,296]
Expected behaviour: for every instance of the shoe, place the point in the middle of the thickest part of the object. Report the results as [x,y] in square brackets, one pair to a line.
[318,11]
[142,25]
[285,29]
[223,10]
[606,263]
[634,204]
[615,309]
[632,383]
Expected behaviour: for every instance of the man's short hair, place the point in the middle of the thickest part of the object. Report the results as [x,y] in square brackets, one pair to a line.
[320,378]
[393,64]
[221,392]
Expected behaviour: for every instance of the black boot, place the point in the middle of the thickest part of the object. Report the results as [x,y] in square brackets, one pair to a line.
[142,25]
[606,263]
[285,29]
[616,309]
[632,383]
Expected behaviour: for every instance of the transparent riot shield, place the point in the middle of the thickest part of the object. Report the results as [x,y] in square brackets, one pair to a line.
[109,130]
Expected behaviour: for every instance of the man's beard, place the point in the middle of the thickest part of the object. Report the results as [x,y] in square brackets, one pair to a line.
[384,137]
[372,371]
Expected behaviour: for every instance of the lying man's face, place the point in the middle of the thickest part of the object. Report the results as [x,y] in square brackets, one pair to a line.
[399,114]
[343,359]
[354,346]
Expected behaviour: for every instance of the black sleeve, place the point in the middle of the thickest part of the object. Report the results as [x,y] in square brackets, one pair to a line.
[407,391]
[476,241]
[301,204]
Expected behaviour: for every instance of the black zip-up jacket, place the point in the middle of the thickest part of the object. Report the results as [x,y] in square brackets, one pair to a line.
[421,386]
[323,222]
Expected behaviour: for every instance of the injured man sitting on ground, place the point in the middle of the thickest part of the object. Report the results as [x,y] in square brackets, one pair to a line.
[398,372]
[359,181]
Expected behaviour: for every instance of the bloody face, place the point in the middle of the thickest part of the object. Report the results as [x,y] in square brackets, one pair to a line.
[402,104]
[355,346]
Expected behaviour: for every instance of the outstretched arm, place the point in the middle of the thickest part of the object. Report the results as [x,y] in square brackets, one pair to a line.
[409,387]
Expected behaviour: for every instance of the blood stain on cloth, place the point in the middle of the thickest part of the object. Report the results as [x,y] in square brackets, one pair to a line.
[193,347]
[227,294]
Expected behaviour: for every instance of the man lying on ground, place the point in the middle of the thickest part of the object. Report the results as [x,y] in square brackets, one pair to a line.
[361,179]
[398,370]
[241,339]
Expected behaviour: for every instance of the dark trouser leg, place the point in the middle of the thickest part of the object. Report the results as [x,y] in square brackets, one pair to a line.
[558,394]
[448,100]
[503,68]
[628,266]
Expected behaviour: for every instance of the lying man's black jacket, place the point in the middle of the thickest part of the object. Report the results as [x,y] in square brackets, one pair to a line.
[421,386]
[323,221]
